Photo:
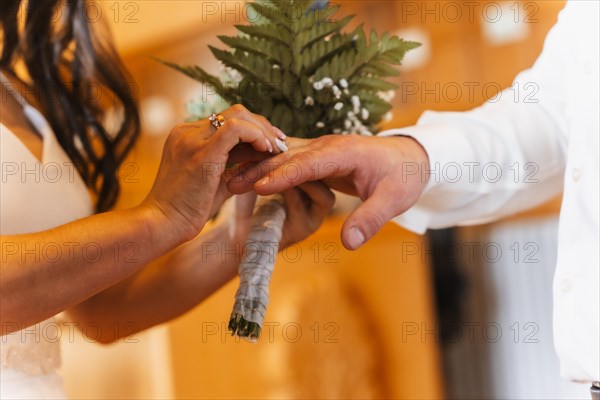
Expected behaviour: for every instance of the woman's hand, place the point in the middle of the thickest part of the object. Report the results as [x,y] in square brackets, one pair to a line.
[307,206]
[189,186]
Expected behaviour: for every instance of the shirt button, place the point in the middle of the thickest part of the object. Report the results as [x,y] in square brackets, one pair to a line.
[565,285]
[576,175]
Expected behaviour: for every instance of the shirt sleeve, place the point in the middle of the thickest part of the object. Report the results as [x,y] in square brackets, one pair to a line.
[502,157]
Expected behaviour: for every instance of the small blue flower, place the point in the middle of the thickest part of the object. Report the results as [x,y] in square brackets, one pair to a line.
[319,5]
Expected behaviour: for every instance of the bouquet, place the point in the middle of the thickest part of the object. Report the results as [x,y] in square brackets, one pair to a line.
[298,68]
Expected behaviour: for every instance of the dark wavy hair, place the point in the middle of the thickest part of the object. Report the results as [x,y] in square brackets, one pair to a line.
[78,81]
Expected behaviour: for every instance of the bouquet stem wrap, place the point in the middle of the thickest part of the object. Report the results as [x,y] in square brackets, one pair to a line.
[256,268]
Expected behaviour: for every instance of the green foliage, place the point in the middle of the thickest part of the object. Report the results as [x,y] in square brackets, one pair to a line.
[301,71]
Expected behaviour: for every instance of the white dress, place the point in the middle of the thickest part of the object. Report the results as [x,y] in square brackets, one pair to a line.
[35,196]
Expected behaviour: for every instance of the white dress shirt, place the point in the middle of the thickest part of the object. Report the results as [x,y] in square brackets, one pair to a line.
[513,153]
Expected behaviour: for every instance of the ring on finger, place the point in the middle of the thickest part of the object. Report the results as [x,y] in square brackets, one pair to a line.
[217,120]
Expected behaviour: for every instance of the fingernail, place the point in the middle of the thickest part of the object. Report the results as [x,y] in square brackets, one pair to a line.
[355,238]
[279,133]
[269,145]
[263,181]
[280,145]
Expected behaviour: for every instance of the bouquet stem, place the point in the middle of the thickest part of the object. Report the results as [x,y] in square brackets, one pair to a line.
[256,268]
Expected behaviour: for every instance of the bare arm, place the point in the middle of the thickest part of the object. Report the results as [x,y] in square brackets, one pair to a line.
[179,281]
[48,272]
[162,290]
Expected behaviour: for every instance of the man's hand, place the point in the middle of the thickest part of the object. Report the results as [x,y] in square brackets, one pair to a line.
[388,174]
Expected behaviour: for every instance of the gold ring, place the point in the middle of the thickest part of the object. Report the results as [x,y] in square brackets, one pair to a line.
[217,120]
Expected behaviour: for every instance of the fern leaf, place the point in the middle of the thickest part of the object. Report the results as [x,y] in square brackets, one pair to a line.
[268,11]
[320,31]
[287,6]
[381,69]
[268,32]
[273,51]
[256,67]
[198,74]
[372,83]
[316,17]
[321,52]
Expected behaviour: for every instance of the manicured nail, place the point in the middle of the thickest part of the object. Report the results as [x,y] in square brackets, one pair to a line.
[279,133]
[280,145]
[355,238]
[269,145]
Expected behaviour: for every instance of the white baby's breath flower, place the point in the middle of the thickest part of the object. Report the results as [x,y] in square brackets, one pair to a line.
[387,95]
[318,85]
[231,75]
[336,92]
[320,125]
[327,81]
[276,66]
[347,124]
[364,114]
[388,116]
[343,83]
[338,106]
[309,101]
[337,131]
[355,103]
[346,92]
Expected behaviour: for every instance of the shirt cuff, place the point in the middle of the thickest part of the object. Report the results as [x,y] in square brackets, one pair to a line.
[415,220]
[446,147]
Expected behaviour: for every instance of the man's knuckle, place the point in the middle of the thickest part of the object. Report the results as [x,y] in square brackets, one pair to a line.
[303,162]
[238,108]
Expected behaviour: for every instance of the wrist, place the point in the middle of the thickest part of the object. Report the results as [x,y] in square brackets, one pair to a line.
[230,242]
[161,231]
[414,152]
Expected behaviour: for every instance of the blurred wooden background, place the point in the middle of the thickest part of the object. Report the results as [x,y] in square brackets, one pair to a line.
[352,313]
